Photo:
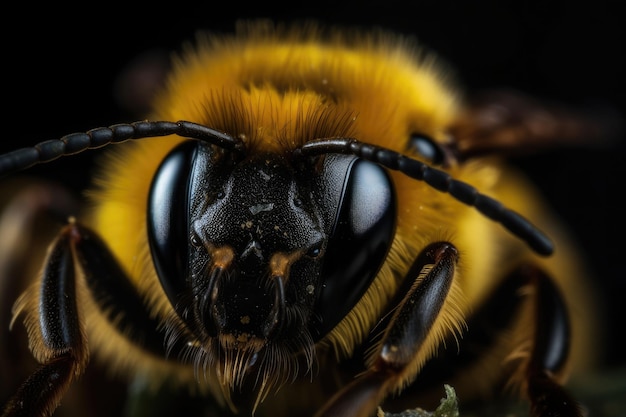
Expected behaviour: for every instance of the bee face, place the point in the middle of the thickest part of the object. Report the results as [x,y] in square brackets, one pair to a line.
[255,256]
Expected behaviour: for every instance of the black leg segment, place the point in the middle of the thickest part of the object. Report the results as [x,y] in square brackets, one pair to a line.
[62,349]
[550,350]
[412,322]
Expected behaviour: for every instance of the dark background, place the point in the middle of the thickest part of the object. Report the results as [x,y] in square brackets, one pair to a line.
[60,67]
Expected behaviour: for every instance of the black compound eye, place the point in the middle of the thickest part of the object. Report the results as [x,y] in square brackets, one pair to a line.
[427,148]
[168,218]
[361,208]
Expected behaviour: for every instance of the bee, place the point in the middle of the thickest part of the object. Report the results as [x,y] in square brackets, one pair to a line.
[312,222]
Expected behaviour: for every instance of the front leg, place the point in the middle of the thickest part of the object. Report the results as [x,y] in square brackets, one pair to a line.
[56,336]
[418,322]
[54,323]
[26,215]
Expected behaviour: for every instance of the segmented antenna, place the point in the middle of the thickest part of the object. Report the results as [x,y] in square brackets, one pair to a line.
[96,138]
[439,180]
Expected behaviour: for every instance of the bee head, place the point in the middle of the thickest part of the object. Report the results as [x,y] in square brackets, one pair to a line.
[266,252]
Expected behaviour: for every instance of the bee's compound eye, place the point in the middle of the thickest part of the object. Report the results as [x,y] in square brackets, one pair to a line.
[168,217]
[363,229]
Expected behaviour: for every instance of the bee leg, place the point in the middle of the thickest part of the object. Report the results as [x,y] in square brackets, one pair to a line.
[24,222]
[408,338]
[550,349]
[60,346]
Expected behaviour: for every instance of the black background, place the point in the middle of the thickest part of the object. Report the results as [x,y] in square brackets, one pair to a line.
[60,66]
